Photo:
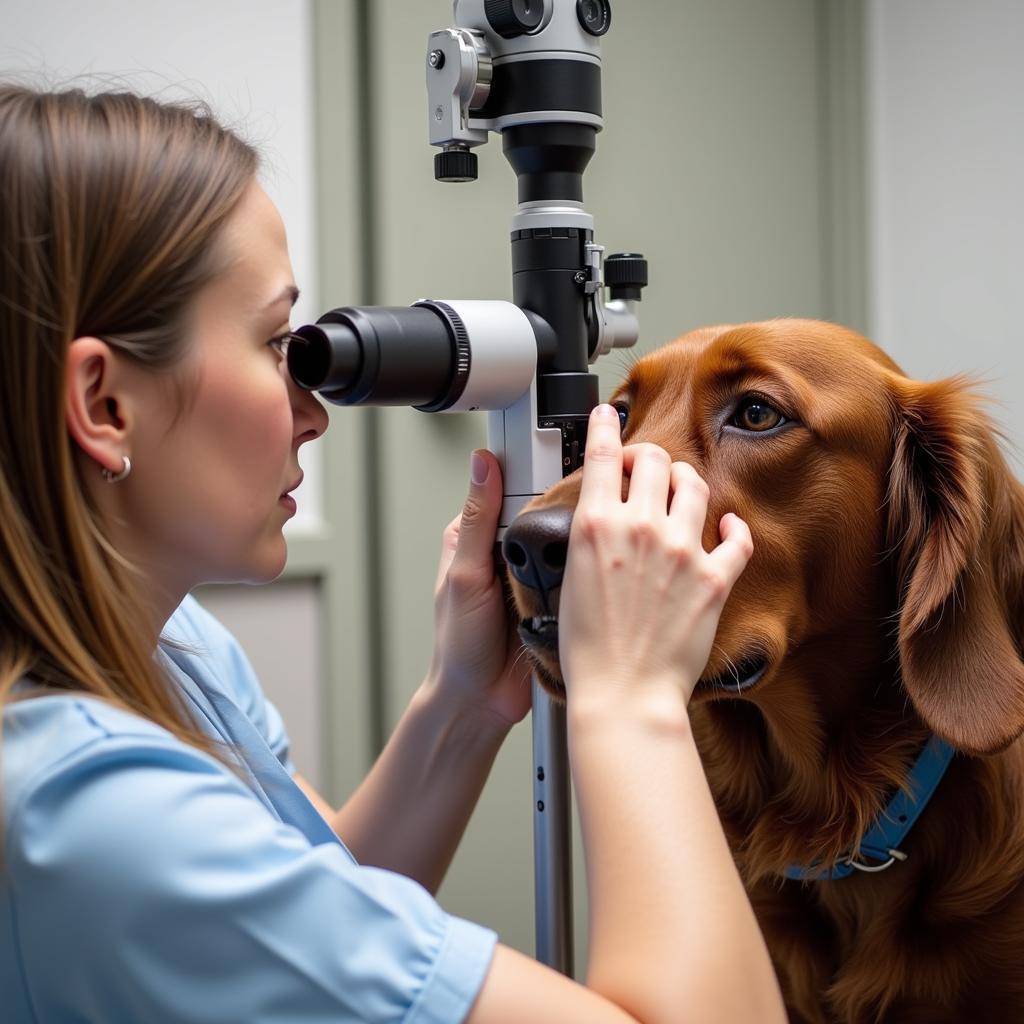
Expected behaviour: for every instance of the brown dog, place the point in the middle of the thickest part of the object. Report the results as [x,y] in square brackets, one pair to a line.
[882,605]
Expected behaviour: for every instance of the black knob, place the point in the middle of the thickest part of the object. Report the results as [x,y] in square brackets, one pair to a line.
[511,18]
[455,165]
[595,16]
[625,273]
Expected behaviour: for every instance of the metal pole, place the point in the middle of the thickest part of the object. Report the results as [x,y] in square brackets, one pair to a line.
[552,834]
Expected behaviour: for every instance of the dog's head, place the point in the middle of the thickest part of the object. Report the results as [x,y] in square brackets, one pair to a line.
[884,521]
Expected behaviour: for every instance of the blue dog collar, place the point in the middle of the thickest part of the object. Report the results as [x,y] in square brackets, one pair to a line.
[882,842]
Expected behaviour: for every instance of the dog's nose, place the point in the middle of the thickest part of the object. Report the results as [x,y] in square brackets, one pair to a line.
[535,545]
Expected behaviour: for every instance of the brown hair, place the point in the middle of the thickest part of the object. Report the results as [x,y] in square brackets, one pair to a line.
[111,207]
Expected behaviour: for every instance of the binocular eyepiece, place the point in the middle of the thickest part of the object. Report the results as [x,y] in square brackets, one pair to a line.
[457,356]
[342,356]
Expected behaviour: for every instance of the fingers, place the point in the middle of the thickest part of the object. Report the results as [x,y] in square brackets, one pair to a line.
[650,473]
[602,463]
[474,536]
[689,504]
[730,558]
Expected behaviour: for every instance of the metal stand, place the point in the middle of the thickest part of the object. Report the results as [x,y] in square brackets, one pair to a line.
[532,460]
[530,72]
[552,835]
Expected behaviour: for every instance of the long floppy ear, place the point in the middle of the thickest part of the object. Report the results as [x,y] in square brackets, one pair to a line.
[957,527]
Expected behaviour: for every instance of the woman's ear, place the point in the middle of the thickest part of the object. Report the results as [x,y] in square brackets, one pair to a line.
[956,526]
[93,408]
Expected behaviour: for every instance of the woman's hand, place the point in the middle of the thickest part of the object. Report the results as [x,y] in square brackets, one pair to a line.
[641,598]
[478,657]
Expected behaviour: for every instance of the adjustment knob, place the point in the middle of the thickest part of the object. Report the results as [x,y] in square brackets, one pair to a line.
[625,273]
[511,18]
[594,15]
[455,164]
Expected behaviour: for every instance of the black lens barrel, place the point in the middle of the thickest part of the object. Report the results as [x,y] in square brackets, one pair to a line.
[326,356]
[380,355]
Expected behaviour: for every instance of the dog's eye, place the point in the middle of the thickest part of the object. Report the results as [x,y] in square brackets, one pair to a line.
[754,413]
[623,411]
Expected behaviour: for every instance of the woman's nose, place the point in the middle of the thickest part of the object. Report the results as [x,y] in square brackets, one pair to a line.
[308,413]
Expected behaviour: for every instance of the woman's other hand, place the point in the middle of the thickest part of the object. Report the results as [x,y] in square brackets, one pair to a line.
[641,599]
[478,657]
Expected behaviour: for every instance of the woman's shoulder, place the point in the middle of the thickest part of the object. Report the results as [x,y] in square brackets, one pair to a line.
[52,740]
[42,731]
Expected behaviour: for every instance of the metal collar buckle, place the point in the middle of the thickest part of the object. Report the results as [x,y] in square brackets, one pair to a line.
[894,855]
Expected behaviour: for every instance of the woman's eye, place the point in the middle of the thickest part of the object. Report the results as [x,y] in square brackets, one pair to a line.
[756,414]
[280,344]
[623,411]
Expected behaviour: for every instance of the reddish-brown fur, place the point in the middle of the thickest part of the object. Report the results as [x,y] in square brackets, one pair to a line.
[886,591]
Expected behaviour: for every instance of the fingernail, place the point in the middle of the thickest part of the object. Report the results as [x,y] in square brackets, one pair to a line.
[478,468]
[606,411]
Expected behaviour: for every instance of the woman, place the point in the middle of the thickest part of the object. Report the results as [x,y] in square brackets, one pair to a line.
[160,861]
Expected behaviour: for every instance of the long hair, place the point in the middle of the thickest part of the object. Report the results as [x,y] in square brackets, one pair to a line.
[111,208]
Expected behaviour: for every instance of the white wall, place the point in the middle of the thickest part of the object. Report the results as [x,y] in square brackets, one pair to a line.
[946,191]
[249,59]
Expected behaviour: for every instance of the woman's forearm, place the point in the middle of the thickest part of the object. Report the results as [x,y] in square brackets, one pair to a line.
[410,812]
[673,936]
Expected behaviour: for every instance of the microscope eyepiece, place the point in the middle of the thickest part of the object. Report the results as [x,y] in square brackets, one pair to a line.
[380,355]
[324,355]
[423,355]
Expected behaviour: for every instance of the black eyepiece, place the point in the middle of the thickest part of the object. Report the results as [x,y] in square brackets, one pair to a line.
[382,355]
[324,356]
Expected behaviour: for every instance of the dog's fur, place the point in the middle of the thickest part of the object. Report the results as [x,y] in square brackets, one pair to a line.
[885,592]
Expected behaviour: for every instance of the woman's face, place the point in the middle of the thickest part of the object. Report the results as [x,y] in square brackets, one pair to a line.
[210,483]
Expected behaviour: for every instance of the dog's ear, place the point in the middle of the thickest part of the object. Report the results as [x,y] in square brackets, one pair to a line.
[956,527]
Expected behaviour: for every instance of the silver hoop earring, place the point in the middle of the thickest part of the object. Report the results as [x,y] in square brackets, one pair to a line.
[111,477]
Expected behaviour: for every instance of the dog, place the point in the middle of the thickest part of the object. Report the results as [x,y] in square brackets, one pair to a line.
[882,607]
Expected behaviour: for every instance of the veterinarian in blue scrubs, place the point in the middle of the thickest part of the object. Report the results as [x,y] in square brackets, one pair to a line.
[161,860]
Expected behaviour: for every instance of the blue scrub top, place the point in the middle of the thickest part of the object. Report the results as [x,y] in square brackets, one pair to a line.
[142,880]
